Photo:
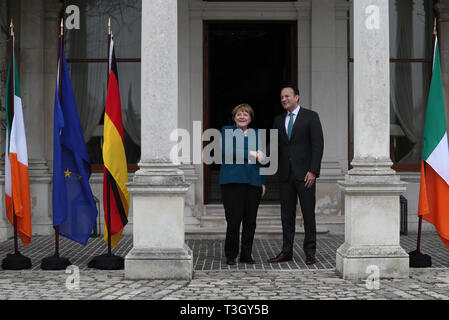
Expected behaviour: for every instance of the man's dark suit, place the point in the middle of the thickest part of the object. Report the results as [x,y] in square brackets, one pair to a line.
[297,156]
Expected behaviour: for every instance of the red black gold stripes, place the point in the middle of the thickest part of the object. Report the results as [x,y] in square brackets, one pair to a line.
[114,158]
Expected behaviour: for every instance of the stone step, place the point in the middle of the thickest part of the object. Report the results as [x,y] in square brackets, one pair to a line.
[262,232]
[271,220]
[264,210]
[213,224]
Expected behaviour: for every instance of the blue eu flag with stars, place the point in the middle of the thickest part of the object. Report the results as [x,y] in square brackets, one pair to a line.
[74,209]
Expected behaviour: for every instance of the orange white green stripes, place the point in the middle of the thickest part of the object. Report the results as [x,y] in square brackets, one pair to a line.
[434,188]
[17,186]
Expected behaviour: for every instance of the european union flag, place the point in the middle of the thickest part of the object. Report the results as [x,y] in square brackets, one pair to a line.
[74,209]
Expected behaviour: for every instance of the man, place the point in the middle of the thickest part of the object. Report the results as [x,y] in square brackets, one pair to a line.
[300,139]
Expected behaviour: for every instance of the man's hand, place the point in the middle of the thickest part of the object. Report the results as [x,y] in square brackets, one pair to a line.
[260,156]
[264,189]
[309,179]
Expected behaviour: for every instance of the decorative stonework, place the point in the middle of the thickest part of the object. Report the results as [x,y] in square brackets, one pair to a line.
[249,10]
[371,251]
[304,9]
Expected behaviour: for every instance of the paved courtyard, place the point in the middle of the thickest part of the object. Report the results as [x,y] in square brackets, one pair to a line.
[213,279]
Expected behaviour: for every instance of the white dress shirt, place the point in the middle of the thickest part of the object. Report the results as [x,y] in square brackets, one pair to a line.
[287,117]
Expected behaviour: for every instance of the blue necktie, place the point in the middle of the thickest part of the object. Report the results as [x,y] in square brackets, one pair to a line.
[290,125]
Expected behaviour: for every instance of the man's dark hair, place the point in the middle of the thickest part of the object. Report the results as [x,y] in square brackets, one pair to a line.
[295,90]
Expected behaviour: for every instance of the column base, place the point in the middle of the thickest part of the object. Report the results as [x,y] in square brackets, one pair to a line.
[5,234]
[352,262]
[41,190]
[5,227]
[159,264]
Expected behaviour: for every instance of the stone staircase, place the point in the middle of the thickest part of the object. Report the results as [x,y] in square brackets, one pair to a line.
[213,223]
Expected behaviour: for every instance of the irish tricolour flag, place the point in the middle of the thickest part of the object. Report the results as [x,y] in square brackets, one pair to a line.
[434,189]
[17,186]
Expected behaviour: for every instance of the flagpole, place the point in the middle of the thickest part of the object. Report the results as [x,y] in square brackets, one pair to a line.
[15,261]
[108,261]
[418,245]
[61,43]
[11,108]
[56,262]
[418,259]
[108,178]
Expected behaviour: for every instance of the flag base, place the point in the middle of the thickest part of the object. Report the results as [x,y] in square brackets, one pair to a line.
[107,262]
[420,260]
[55,262]
[16,261]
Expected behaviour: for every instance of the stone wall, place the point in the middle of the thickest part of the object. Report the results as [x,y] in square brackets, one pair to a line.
[3,60]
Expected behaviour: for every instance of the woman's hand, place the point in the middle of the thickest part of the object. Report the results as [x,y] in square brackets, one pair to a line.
[260,156]
[264,189]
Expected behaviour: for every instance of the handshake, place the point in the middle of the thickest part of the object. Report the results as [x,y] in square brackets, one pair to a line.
[258,155]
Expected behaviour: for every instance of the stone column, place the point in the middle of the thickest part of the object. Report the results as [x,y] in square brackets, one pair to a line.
[371,189]
[158,187]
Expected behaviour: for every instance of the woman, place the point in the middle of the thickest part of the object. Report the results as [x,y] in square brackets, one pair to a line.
[242,186]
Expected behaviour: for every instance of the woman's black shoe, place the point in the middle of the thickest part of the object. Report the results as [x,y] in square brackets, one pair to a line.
[248,260]
[230,261]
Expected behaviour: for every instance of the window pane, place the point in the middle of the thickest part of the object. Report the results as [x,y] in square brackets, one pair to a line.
[411,26]
[129,83]
[408,99]
[409,88]
[89,80]
[90,41]
[89,85]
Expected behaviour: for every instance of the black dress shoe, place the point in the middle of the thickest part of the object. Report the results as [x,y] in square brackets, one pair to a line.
[247,260]
[230,261]
[310,260]
[281,257]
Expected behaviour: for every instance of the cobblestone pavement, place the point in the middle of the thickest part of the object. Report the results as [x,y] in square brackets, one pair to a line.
[322,284]
[213,279]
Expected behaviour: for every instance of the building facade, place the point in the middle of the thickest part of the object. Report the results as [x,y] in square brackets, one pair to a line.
[186,63]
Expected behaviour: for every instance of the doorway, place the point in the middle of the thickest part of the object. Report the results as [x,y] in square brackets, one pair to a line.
[245,62]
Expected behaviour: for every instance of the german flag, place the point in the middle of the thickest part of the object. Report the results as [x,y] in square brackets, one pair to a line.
[114,158]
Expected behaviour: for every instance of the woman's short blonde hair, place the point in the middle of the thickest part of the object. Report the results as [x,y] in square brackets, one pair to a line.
[243,107]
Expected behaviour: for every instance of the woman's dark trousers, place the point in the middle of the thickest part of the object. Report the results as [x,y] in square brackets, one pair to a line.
[240,202]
